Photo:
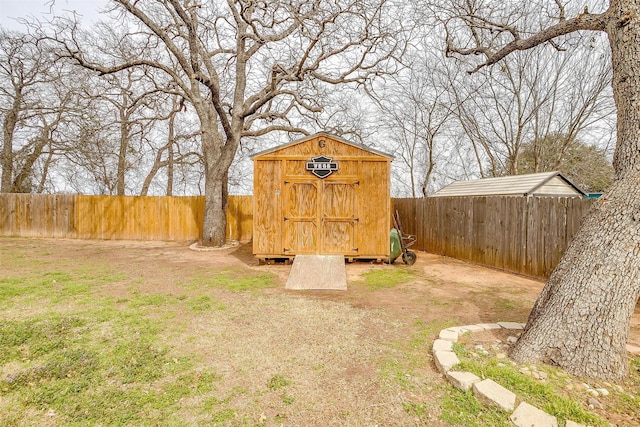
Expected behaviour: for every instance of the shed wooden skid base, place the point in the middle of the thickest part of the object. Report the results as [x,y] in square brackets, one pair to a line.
[270,259]
[318,272]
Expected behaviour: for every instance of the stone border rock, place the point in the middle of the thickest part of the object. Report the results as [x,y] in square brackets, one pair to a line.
[195,246]
[487,391]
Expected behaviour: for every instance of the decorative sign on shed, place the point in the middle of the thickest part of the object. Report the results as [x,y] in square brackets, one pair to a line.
[321,195]
[322,166]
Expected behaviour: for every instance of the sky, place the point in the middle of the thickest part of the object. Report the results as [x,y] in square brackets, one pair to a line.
[44,9]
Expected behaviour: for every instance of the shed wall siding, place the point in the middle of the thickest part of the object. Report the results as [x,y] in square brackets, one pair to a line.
[267,207]
[305,149]
[374,209]
[345,213]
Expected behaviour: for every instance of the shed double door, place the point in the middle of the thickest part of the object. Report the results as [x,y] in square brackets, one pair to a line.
[320,217]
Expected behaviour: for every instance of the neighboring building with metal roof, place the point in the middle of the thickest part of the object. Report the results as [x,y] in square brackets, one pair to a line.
[535,184]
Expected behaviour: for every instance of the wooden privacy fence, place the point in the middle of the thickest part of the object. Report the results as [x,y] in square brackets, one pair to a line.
[518,234]
[116,217]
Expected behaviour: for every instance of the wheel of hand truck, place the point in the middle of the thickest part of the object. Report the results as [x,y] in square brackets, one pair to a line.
[409,257]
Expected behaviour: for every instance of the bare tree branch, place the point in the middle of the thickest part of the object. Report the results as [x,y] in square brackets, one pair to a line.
[584,21]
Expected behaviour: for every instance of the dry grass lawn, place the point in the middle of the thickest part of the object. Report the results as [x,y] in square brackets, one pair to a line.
[153,333]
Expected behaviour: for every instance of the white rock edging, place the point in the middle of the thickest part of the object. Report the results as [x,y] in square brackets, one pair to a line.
[462,380]
[445,360]
[442,345]
[526,415]
[449,335]
[487,391]
[633,349]
[492,393]
[512,325]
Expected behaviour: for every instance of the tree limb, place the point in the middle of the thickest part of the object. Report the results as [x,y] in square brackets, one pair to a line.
[582,22]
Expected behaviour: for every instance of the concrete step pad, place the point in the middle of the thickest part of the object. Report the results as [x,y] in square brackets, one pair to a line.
[317,272]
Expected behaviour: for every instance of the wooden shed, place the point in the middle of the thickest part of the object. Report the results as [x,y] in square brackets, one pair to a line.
[321,195]
[533,184]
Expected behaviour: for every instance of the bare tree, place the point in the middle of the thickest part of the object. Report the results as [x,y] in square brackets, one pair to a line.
[586,165]
[23,69]
[413,111]
[40,105]
[581,320]
[133,103]
[532,94]
[245,66]
[171,154]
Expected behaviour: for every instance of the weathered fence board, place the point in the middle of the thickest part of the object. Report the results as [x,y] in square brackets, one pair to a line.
[239,217]
[116,217]
[37,215]
[519,234]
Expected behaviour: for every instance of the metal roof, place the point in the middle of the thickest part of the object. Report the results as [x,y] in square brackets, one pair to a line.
[330,135]
[515,185]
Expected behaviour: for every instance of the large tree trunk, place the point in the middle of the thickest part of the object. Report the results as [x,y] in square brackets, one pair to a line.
[581,320]
[170,157]
[217,160]
[123,147]
[6,157]
[214,228]
[22,181]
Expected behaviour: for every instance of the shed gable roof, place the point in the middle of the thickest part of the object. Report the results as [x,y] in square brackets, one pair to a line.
[515,185]
[326,134]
